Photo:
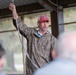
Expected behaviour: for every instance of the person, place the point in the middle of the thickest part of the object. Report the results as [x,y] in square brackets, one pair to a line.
[2,59]
[40,43]
[65,61]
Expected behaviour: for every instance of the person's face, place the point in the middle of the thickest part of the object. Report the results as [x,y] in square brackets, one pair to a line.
[2,62]
[43,26]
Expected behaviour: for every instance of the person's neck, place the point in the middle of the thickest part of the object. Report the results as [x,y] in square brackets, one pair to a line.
[42,32]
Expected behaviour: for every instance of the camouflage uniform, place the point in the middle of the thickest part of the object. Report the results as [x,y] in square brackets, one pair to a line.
[38,48]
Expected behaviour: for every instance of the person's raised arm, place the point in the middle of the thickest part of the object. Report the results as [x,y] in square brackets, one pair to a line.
[12,7]
[18,23]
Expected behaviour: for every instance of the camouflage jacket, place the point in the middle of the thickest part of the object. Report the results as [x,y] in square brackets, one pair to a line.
[38,48]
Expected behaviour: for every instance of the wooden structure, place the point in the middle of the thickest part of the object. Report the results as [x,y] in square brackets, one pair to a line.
[34,6]
[25,7]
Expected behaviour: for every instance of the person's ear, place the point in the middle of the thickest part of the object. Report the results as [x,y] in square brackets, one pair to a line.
[49,23]
[38,24]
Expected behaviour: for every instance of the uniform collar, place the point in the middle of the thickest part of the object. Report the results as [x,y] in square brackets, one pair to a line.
[38,34]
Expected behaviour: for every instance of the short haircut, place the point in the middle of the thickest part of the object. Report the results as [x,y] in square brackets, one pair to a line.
[2,51]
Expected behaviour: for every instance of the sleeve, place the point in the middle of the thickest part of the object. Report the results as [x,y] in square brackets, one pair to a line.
[23,29]
[53,52]
[53,42]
